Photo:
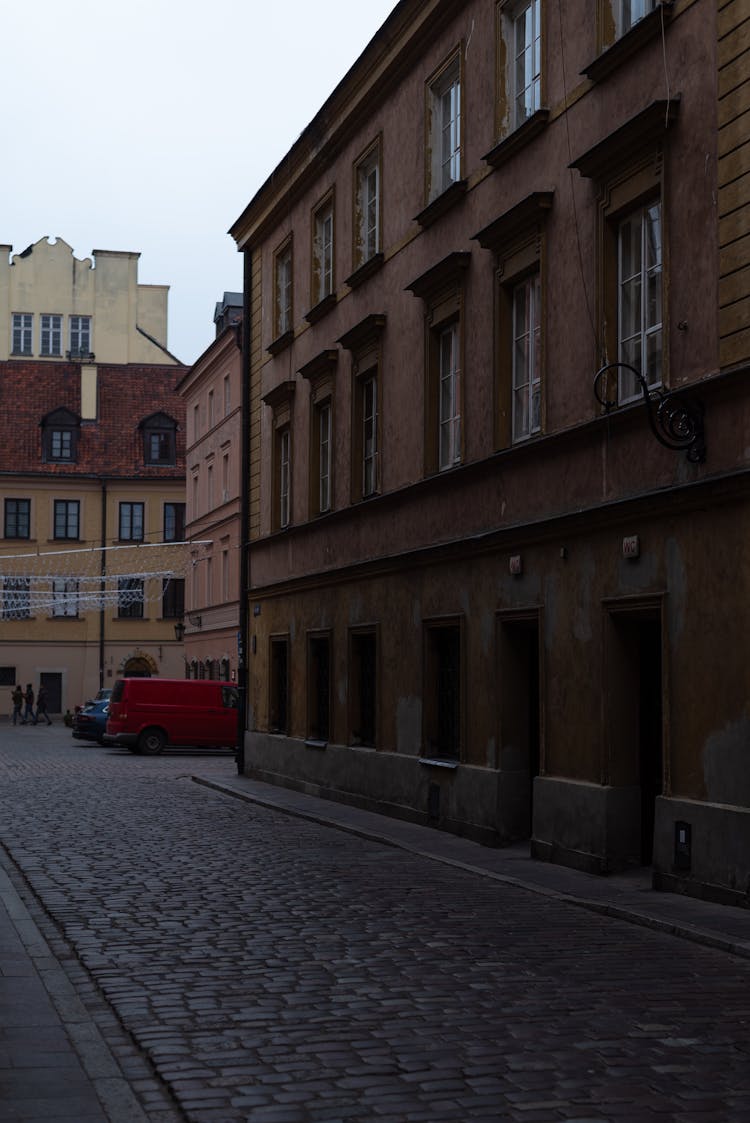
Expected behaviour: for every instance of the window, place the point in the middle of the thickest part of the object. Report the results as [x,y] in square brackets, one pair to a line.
[225,575]
[67,518]
[159,439]
[441,289]
[211,418]
[622,28]
[16,598]
[362,687]
[278,703]
[131,522]
[22,333]
[364,342]
[64,596]
[320,372]
[444,129]
[526,357]
[639,316]
[80,336]
[51,335]
[196,422]
[527,61]
[323,426]
[322,252]
[173,598]
[209,571]
[442,691]
[60,433]
[283,458]
[210,486]
[227,396]
[629,12]
[367,207]
[283,321]
[130,598]
[318,688]
[449,419]
[17,518]
[174,522]
[225,477]
[518,241]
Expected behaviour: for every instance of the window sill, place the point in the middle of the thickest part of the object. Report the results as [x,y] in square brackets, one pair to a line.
[312,743]
[443,203]
[630,43]
[365,271]
[319,310]
[512,143]
[439,762]
[280,343]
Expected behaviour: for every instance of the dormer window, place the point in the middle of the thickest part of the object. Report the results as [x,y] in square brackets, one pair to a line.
[60,432]
[159,439]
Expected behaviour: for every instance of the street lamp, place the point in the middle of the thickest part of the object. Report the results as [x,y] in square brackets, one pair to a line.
[179,631]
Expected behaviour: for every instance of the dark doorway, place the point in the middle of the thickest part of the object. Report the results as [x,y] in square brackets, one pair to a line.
[52,681]
[519,707]
[319,688]
[650,763]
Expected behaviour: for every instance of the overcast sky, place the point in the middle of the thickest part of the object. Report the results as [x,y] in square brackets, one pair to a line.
[148,125]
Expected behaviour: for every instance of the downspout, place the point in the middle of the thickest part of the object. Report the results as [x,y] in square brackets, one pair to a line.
[243,633]
[102,584]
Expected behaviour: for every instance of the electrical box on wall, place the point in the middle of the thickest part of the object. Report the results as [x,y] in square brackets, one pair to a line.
[682,846]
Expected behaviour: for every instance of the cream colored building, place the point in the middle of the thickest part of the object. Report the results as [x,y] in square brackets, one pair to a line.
[92,478]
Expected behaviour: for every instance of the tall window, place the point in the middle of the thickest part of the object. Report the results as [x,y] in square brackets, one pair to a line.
[22,333]
[60,433]
[323,251]
[324,456]
[130,598]
[640,298]
[527,61]
[362,688]
[131,522]
[442,712]
[67,518]
[284,476]
[17,518]
[283,290]
[17,598]
[51,335]
[319,688]
[631,12]
[369,396]
[225,575]
[445,128]
[526,357]
[227,395]
[173,598]
[159,439]
[64,596]
[278,716]
[211,418]
[449,418]
[367,207]
[80,335]
[174,522]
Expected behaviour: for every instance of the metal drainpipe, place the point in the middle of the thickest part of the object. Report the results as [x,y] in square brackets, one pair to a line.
[102,584]
[243,633]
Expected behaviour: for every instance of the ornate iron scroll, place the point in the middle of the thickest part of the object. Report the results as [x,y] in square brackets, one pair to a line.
[675,418]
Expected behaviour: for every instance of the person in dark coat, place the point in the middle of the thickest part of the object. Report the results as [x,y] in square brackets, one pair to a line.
[28,713]
[17,697]
[41,706]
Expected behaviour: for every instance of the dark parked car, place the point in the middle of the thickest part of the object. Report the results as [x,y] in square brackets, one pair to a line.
[90,722]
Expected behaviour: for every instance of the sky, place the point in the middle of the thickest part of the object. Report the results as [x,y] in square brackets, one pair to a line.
[148,125]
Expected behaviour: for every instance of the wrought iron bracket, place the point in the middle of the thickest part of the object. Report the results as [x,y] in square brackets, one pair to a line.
[675,418]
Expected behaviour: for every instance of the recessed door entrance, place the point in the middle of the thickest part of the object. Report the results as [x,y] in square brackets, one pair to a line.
[519,712]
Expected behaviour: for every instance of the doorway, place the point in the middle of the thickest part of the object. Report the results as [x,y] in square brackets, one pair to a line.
[520,709]
[52,682]
[634,715]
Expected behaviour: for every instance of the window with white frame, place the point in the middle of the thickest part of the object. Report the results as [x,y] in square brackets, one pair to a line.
[50,340]
[527,61]
[324,456]
[283,290]
[369,397]
[284,441]
[65,596]
[227,396]
[639,314]
[449,419]
[526,357]
[67,518]
[323,252]
[23,323]
[445,128]
[367,207]
[80,335]
[631,12]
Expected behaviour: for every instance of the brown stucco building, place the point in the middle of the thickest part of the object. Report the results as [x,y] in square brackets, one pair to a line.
[488,589]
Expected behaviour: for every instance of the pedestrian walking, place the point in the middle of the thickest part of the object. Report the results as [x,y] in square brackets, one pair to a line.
[17,696]
[41,705]
[28,713]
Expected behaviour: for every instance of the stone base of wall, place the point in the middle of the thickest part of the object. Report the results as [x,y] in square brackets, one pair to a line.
[590,827]
[719,858]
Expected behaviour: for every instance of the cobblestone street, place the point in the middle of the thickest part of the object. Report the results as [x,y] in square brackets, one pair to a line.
[263,967]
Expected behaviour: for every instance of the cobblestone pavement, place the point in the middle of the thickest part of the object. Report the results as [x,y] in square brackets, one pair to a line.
[275,970]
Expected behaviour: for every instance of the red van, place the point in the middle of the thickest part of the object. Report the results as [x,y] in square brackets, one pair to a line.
[145,714]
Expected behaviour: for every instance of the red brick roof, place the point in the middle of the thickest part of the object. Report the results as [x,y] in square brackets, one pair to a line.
[110,446]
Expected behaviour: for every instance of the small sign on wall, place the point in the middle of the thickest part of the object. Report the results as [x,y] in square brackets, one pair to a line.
[516,565]
[631,546]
